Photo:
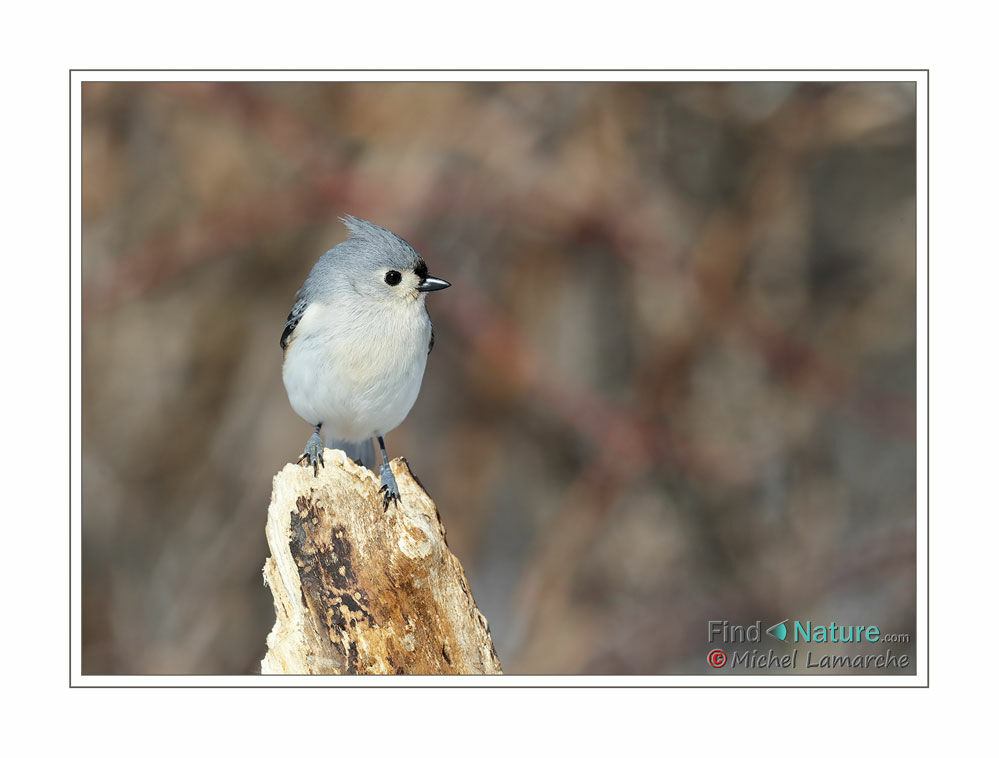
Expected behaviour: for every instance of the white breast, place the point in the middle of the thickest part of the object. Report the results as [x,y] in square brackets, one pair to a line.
[357,373]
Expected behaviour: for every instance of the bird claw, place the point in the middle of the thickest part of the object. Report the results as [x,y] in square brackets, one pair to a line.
[389,489]
[314,453]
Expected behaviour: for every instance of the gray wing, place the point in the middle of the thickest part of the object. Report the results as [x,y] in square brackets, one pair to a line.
[293,318]
[431,345]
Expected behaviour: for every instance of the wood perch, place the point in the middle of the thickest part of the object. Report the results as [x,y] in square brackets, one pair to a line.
[361,590]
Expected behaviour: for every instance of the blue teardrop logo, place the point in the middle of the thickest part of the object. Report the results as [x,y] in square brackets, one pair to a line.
[779,631]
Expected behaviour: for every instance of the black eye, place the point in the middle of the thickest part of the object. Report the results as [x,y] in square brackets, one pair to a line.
[392,278]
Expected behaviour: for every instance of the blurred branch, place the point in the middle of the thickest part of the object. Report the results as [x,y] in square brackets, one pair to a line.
[361,590]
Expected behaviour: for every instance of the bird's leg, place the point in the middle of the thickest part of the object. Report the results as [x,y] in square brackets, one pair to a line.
[314,451]
[389,488]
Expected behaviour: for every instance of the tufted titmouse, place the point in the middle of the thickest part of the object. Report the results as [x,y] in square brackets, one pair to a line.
[356,344]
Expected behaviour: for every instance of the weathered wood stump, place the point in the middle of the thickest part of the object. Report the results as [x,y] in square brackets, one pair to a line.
[361,590]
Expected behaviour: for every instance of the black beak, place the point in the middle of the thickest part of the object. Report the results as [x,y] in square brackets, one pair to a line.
[432,283]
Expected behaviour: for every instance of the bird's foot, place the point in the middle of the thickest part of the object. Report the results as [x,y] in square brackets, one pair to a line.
[389,489]
[314,453]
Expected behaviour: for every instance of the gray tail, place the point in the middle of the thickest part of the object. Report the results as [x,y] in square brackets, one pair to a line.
[362,452]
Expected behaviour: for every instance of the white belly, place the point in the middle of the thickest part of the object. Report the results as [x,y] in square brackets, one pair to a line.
[359,380]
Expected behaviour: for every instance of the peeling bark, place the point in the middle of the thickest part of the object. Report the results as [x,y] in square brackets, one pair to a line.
[361,590]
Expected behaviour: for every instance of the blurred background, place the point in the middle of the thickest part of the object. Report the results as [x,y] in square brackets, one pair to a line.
[674,379]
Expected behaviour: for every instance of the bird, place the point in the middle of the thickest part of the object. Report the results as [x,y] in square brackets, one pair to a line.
[355,345]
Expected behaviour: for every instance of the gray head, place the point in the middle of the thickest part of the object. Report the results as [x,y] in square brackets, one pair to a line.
[373,262]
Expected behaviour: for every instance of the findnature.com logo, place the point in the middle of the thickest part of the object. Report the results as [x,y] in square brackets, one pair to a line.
[790,632]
